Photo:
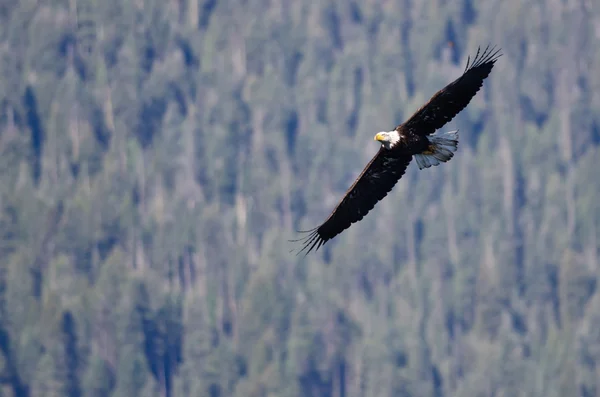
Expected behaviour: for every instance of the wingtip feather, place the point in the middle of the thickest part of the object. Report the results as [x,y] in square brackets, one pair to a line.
[489,55]
[309,243]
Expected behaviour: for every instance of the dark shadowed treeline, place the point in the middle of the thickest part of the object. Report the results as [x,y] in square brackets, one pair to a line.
[155,156]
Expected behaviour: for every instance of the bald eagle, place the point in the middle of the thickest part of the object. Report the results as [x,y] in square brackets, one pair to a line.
[416,137]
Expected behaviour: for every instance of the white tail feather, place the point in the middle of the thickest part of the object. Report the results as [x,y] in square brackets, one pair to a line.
[442,148]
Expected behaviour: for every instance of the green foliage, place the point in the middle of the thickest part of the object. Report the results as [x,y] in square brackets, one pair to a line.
[155,157]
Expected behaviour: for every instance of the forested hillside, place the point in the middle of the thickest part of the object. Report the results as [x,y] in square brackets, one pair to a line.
[156,156]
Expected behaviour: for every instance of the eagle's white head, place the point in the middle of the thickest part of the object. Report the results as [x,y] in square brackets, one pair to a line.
[388,138]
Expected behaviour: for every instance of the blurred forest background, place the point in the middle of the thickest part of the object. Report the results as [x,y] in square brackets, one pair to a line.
[156,156]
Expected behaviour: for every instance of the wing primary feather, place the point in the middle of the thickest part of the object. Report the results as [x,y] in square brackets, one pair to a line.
[307,231]
[310,242]
[298,239]
[303,232]
[488,55]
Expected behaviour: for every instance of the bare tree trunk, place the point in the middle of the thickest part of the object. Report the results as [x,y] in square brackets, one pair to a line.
[451,224]
[508,180]
[193,14]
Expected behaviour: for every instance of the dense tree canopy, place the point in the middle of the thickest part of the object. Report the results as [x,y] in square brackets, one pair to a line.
[155,156]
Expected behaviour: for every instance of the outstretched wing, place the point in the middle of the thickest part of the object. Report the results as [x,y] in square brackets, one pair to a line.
[453,98]
[377,179]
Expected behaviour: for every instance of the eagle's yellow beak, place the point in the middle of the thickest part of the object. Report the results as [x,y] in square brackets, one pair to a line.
[378,137]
